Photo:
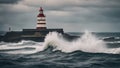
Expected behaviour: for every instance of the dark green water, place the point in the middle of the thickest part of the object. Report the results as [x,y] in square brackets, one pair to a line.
[97,50]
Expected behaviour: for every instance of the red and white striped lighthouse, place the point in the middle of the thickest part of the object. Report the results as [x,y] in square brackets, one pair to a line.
[41,20]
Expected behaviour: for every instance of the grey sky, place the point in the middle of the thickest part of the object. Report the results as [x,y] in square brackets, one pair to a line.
[8,1]
[71,15]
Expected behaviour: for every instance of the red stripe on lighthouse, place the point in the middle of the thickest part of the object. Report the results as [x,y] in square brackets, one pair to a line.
[41,23]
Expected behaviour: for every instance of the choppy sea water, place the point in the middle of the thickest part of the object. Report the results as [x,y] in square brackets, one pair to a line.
[88,51]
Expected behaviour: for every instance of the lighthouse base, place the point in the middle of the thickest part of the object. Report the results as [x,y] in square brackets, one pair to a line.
[33,35]
[41,28]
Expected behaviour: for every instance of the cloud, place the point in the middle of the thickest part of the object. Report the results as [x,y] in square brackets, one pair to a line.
[70,3]
[83,14]
[9,1]
[97,10]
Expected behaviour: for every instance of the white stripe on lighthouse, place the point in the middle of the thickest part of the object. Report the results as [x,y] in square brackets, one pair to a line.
[41,25]
[41,18]
[40,21]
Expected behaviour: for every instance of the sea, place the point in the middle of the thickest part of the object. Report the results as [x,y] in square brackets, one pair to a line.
[90,50]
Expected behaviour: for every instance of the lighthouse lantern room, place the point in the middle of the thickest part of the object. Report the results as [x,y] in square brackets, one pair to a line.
[41,20]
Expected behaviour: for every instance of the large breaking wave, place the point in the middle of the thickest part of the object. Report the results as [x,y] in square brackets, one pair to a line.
[86,43]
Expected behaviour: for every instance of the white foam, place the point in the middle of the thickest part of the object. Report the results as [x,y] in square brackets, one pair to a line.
[10,46]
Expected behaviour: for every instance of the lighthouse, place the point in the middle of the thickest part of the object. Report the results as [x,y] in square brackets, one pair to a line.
[41,20]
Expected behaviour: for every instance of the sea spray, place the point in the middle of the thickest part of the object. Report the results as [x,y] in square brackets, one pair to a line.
[87,43]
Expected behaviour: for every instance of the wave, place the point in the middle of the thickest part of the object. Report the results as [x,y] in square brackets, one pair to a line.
[23,47]
[88,42]
[111,39]
[59,43]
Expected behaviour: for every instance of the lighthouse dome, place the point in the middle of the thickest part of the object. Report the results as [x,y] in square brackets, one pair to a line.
[41,15]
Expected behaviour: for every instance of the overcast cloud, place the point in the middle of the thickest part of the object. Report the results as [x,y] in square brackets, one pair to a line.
[71,15]
[8,1]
